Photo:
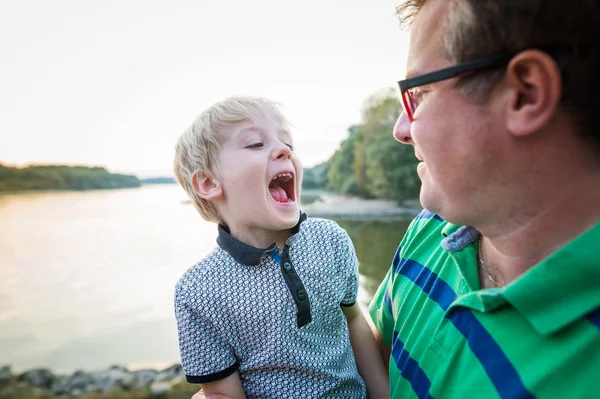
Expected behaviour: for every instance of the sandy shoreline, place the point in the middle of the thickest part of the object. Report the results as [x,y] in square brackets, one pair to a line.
[352,208]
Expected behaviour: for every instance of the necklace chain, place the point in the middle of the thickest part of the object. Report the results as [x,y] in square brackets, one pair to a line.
[483,265]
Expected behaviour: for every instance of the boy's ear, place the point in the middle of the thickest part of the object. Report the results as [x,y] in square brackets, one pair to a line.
[206,186]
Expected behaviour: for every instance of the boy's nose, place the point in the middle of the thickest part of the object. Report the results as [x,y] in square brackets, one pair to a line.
[284,152]
[402,129]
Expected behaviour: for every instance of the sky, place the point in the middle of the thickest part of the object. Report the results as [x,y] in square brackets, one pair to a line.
[114,83]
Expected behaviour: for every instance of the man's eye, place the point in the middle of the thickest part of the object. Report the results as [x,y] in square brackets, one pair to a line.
[418,95]
[255,145]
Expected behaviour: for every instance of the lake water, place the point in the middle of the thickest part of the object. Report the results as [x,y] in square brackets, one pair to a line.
[87,278]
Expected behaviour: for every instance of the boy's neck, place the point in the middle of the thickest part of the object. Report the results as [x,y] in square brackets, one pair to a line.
[260,238]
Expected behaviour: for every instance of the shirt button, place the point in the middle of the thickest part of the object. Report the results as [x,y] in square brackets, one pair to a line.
[301,295]
[287,266]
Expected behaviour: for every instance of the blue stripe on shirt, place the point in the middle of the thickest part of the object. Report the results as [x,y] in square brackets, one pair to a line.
[594,317]
[502,373]
[410,369]
[497,366]
[388,302]
[435,287]
[425,214]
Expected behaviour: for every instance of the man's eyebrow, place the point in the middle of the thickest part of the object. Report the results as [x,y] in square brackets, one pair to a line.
[412,73]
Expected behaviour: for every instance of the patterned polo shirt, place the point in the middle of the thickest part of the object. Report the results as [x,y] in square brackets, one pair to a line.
[537,337]
[273,315]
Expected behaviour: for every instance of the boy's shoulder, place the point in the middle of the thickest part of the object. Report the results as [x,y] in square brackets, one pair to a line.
[319,226]
[203,272]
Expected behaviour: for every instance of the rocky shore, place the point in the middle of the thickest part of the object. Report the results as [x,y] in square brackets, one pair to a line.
[113,382]
[335,206]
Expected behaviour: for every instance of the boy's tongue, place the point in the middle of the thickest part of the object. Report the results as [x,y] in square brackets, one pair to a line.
[278,194]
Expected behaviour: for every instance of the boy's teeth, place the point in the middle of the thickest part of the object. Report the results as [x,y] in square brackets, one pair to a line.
[283,175]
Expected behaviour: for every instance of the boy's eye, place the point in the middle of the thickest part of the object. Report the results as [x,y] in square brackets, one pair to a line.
[291,147]
[255,145]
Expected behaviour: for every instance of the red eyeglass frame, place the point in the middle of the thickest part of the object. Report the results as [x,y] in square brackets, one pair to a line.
[468,67]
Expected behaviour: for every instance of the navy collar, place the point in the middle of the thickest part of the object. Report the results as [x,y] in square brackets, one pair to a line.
[244,253]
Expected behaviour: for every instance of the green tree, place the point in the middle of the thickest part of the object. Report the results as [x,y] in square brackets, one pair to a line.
[391,167]
[61,177]
[370,163]
[342,176]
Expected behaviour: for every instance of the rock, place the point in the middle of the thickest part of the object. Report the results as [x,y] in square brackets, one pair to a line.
[60,386]
[158,388]
[76,384]
[41,378]
[80,380]
[113,377]
[174,374]
[5,375]
[143,378]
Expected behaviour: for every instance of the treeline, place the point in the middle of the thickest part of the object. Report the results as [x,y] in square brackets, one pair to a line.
[370,163]
[61,177]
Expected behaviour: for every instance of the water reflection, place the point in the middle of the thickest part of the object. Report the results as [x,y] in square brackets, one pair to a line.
[87,278]
[375,243]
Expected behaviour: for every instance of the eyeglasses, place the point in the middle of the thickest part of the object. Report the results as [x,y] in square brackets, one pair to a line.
[411,101]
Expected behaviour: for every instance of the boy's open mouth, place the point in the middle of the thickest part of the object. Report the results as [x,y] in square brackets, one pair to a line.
[282,188]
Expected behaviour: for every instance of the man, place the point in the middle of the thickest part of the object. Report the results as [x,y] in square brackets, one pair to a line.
[495,288]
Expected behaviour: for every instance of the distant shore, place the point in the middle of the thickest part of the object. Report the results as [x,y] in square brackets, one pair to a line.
[323,204]
[334,206]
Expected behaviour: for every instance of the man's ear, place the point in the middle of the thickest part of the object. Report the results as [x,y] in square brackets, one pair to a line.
[536,87]
[206,186]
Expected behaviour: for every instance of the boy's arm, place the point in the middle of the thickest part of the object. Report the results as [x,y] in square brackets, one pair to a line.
[366,352]
[228,388]
[384,350]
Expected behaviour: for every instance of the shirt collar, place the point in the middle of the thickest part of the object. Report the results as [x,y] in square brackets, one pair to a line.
[457,237]
[562,288]
[559,290]
[247,254]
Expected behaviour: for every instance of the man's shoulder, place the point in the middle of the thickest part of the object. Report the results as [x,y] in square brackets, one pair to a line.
[427,221]
[424,230]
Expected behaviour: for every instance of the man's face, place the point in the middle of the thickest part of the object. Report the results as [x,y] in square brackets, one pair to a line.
[261,178]
[452,137]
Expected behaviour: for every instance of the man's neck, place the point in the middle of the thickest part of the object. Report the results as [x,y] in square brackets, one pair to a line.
[511,250]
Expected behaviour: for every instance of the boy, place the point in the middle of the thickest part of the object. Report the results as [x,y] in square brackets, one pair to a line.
[271,312]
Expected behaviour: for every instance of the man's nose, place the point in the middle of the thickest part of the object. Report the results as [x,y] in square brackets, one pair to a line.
[402,129]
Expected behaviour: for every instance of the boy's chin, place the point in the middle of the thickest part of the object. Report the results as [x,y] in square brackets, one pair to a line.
[285,222]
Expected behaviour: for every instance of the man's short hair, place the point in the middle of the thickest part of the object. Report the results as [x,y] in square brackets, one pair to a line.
[198,147]
[564,29]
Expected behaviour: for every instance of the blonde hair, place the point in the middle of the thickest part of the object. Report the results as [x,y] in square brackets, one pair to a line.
[198,147]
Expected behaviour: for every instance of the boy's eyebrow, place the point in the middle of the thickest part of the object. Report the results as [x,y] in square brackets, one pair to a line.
[286,133]
[258,129]
[248,129]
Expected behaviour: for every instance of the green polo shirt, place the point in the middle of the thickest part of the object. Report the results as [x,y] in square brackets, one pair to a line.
[537,337]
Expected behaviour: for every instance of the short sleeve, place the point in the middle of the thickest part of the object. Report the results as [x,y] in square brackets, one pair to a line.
[205,354]
[347,257]
[381,311]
